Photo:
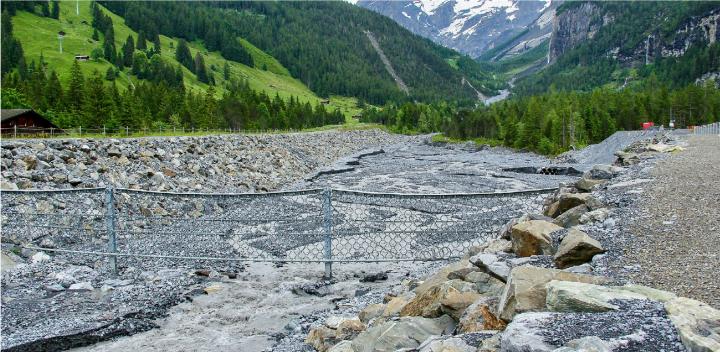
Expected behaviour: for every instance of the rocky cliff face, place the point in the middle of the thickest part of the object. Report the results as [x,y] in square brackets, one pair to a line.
[578,24]
[573,27]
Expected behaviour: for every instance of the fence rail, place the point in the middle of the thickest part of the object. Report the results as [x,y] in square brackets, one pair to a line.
[139,228]
[713,128]
[42,132]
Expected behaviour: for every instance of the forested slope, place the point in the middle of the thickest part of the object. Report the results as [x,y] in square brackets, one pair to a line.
[321,43]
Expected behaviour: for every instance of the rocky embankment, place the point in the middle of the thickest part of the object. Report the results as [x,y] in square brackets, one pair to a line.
[232,163]
[537,287]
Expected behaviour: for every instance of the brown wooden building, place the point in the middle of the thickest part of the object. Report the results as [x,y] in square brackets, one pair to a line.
[26,122]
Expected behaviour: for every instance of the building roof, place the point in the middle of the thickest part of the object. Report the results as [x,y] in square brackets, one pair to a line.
[10,113]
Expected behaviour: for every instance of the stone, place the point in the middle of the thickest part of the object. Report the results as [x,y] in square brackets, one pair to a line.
[533,237]
[168,172]
[461,274]
[7,263]
[349,329]
[603,172]
[626,158]
[321,338]
[454,303]
[586,344]
[566,296]
[343,346]
[81,286]
[576,248]
[491,264]
[405,333]
[570,200]
[396,305]
[505,230]
[212,289]
[595,215]
[479,316]
[525,290]
[571,217]
[40,257]
[54,288]
[445,344]
[381,276]
[580,269]
[442,275]
[429,303]
[522,335]
[334,321]
[697,323]
[485,284]
[8,186]
[490,344]
[113,151]
[371,312]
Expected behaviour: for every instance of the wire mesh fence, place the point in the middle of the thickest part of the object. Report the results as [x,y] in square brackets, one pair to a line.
[145,229]
[712,128]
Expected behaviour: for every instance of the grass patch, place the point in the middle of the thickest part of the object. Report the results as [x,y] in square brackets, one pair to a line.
[38,35]
[441,138]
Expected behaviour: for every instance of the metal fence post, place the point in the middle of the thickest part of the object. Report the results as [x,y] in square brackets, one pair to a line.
[327,229]
[110,224]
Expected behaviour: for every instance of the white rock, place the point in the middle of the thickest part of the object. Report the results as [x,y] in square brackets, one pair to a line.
[40,257]
[80,286]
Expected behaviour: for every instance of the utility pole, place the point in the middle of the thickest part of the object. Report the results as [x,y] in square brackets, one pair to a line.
[77,7]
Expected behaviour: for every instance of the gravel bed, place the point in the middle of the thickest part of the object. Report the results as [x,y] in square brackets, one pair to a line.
[675,244]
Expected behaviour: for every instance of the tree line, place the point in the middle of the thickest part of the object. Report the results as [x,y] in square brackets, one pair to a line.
[554,122]
[91,102]
[321,43]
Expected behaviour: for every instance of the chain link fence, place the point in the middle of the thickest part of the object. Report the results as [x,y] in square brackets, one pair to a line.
[713,128]
[145,229]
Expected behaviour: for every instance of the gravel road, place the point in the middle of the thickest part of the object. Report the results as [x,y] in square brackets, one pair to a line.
[677,242]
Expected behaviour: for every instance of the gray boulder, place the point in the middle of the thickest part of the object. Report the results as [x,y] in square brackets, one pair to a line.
[576,248]
[406,332]
[571,217]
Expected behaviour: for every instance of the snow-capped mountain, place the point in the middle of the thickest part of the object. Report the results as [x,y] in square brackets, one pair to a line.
[471,26]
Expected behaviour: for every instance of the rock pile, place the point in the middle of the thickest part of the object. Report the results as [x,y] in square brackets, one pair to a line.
[531,289]
[230,163]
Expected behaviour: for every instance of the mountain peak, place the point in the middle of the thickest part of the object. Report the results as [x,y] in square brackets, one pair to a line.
[469,26]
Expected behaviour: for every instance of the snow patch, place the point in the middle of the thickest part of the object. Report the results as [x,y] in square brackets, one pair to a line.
[511,17]
[406,15]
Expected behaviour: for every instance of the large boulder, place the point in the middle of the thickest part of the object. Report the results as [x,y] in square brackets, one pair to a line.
[567,296]
[455,302]
[603,171]
[587,184]
[349,329]
[640,325]
[525,290]
[371,312]
[571,217]
[533,237]
[576,248]
[396,304]
[491,264]
[524,334]
[697,323]
[567,201]
[445,344]
[407,332]
[595,215]
[429,304]
[442,275]
[321,338]
[479,316]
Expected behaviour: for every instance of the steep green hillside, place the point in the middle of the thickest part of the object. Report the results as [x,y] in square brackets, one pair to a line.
[324,44]
[38,36]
